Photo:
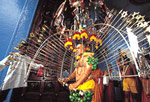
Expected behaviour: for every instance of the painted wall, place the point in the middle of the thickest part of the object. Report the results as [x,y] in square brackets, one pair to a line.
[15,21]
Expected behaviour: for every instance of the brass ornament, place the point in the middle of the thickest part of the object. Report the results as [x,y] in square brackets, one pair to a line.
[32,35]
[134,15]
[16,48]
[20,44]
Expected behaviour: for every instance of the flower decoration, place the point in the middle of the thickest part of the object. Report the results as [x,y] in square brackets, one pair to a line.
[98,41]
[81,96]
[78,57]
[87,48]
[92,61]
[68,44]
[92,37]
[40,72]
[74,50]
[71,48]
[76,36]
[84,35]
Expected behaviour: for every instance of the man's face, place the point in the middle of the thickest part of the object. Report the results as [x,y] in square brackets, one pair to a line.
[79,49]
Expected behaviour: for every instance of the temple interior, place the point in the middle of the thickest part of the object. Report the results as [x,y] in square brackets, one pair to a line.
[115,35]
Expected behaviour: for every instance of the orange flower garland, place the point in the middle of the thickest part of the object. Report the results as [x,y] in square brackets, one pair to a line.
[68,43]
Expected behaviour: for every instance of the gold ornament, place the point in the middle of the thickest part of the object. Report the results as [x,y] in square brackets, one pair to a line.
[43,28]
[129,20]
[38,40]
[40,37]
[134,15]
[16,48]
[32,35]
[138,17]
[10,58]
[142,19]
[20,44]
[11,53]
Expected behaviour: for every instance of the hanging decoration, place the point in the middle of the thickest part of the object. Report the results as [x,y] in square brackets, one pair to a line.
[40,72]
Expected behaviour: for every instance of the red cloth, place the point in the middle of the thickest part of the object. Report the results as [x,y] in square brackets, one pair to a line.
[98,93]
[144,97]
[110,92]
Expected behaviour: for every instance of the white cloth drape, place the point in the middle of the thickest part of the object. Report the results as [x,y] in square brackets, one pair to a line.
[17,71]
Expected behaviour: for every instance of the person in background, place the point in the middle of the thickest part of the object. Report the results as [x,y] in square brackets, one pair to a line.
[109,90]
[98,78]
[144,65]
[129,83]
[65,74]
[17,72]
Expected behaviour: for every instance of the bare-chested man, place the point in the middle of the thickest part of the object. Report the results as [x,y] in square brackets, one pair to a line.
[83,71]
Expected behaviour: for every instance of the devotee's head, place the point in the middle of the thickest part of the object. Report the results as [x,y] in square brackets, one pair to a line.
[126,60]
[80,49]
